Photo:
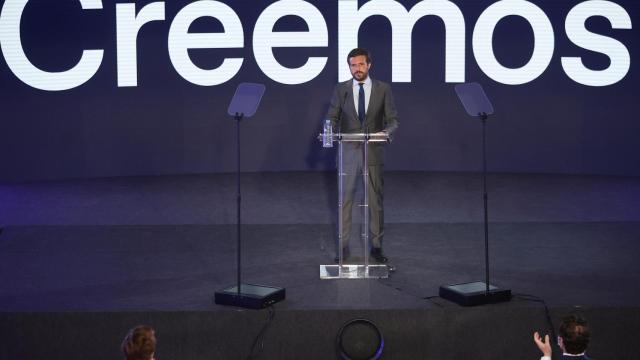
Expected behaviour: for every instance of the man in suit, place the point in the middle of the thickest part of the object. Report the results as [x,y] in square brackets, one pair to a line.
[363,105]
[573,339]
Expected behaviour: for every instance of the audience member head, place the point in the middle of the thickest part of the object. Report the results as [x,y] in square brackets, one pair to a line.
[574,334]
[140,343]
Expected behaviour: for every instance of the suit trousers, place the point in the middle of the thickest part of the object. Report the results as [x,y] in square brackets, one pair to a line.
[352,177]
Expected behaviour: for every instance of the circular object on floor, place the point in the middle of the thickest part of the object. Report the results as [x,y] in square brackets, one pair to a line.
[359,339]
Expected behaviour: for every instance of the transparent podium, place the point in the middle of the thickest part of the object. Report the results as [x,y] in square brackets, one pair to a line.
[353,157]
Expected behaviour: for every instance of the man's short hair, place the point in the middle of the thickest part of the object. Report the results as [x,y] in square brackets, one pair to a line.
[358,52]
[575,334]
[140,343]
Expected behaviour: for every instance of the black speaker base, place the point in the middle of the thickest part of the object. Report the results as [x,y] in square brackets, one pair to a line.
[474,293]
[251,296]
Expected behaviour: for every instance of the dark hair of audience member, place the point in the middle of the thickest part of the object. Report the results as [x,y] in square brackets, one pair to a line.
[575,334]
[140,343]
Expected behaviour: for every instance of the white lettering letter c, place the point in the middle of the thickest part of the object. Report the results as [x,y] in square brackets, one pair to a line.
[11,45]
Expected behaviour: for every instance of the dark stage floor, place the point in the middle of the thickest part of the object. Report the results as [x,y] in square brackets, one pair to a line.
[177,267]
[167,243]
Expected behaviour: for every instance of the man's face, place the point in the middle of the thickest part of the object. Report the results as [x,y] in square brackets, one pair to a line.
[359,67]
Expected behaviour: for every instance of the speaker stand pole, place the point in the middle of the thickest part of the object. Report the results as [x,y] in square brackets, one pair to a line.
[244,105]
[477,104]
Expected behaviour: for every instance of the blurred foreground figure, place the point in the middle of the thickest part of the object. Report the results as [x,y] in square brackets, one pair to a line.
[140,343]
[573,339]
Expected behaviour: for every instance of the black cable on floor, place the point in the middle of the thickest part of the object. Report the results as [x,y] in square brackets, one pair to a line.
[430,298]
[399,289]
[552,330]
[260,337]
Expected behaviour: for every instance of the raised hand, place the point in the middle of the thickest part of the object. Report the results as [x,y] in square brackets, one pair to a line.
[543,345]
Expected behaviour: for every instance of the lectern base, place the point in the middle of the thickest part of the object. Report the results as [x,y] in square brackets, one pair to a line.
[354,271]
[251,296]
[474,293]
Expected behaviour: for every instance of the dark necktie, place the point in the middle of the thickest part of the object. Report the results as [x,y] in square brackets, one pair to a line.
[361,104]
[361,111]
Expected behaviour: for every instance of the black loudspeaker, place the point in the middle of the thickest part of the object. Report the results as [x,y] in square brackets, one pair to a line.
[359,339]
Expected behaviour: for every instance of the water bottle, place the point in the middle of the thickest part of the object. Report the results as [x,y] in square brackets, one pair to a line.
[327,134]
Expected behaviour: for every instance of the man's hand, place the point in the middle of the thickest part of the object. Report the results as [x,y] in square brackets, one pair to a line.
[543,345]
[379,133]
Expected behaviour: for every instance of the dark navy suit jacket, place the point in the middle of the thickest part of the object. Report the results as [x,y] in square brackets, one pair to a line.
[381,114]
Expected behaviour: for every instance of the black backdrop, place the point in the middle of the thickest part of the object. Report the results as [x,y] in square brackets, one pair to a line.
[167,125]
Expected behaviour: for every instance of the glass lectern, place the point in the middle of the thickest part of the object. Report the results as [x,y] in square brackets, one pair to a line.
[353,157]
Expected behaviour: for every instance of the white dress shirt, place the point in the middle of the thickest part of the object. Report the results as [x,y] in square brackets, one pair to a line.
[565,354]
[367,93]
